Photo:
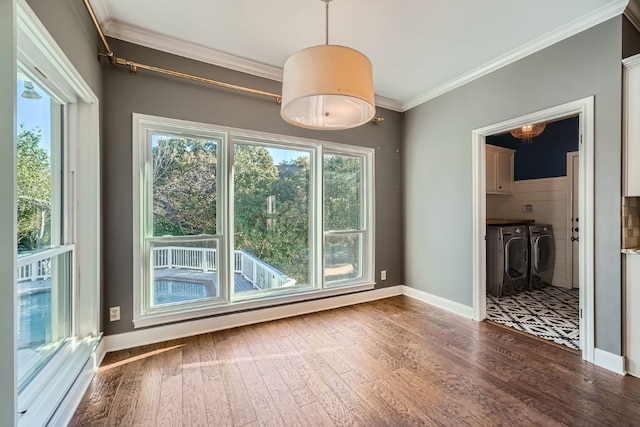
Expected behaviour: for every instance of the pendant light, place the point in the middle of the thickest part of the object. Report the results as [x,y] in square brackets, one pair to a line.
[30,91]
[327,87]
[527,132]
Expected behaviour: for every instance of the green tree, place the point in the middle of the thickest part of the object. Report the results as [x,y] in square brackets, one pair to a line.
[342,209]
[33,184]
[279,237]
[184,187]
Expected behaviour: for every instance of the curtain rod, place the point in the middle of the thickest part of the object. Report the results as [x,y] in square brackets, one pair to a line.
[134,66]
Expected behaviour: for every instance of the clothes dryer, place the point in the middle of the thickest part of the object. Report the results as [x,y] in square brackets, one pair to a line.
[507,259]
[543,255]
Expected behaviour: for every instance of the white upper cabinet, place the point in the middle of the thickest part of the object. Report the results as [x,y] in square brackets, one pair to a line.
[499,169]
[631,127]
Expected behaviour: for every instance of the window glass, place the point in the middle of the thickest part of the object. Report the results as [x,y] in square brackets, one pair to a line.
[44,276]
[343,243]
[185,267]
[184,186]
[271,216]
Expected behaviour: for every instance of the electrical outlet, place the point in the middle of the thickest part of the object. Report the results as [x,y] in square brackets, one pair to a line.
[383,275]
[114,314]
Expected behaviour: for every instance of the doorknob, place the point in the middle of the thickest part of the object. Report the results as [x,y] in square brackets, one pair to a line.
[575,229]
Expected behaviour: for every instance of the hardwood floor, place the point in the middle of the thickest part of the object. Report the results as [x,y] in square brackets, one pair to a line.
[393,362]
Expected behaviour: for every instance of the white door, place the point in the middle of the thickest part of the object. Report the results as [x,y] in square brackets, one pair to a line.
[574,219]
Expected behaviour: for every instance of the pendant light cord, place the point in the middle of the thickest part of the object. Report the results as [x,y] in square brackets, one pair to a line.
[326,23]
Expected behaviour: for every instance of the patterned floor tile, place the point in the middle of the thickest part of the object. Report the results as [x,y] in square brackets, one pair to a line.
[550,313]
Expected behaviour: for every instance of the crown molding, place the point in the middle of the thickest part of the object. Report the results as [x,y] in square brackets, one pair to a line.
[592,19]
[207,55]
[632,12]
[101,12]
[189,50]
[388,103]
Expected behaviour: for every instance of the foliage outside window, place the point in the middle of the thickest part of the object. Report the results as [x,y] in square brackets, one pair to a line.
[229,218]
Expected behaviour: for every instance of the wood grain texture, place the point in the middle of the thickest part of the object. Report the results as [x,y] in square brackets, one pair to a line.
[389,362]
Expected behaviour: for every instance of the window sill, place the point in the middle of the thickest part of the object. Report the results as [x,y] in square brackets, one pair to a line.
[160,317]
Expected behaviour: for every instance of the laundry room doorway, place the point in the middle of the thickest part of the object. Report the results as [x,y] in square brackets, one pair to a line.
[546,211]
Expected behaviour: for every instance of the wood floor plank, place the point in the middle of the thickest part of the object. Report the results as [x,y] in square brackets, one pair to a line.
[148,402]
[194,411]
[242,411]
[326,397]
[257,391]
[218,409]
[170,407]
[274,355]
[390,362]
[316,415]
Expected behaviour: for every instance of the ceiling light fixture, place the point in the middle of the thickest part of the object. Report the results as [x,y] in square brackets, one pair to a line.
[327,87]
[527,132]
[30,91]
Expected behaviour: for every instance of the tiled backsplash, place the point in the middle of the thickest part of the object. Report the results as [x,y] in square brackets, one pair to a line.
[630,222]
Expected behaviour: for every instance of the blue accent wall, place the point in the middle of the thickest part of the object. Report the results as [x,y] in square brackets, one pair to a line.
[546,155]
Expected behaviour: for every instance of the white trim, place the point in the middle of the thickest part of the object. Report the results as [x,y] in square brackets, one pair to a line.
[207,55]
[189,50]
[102,12]
[31,30]
[212,324]
[204,308]
[569,218]
[144,314]
[572,28]
[46,403]
[632,61]
[66,410]
[585,109]
[389,104]
[610,361]
[632,13]
[439,302]
[177,47]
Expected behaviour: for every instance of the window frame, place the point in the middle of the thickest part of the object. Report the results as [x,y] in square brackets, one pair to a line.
[144,125]
[38,53]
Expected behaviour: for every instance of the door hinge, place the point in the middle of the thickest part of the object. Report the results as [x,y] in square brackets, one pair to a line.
[581,313]
[580,138]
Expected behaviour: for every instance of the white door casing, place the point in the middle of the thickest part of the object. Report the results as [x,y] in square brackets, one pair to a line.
[573,219]
[584,108]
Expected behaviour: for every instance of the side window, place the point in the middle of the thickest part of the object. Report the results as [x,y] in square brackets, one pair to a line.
[344,231]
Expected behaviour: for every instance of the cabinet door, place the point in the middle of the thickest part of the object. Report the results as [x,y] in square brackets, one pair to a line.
[632,132]
[504,172]
[632,314]
[492,180]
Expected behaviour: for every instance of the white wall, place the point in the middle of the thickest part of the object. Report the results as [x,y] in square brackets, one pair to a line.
[549,199]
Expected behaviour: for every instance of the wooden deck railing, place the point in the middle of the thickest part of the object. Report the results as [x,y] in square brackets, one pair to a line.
[254,270]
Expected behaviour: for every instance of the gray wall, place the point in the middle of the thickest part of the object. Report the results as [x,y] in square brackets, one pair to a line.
[158,95]
[437,165]
[69,24]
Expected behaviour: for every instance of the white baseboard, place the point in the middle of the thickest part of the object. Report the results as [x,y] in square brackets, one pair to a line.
[202,326]
[74,396]
[445,304]
[610,361]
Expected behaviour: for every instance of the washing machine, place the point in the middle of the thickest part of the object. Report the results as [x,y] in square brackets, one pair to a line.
[507,259]
[543,255]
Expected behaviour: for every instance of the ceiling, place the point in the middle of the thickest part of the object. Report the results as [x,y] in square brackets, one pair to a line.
[419,48]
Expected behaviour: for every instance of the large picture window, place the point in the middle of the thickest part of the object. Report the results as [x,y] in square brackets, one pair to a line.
[232,219]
